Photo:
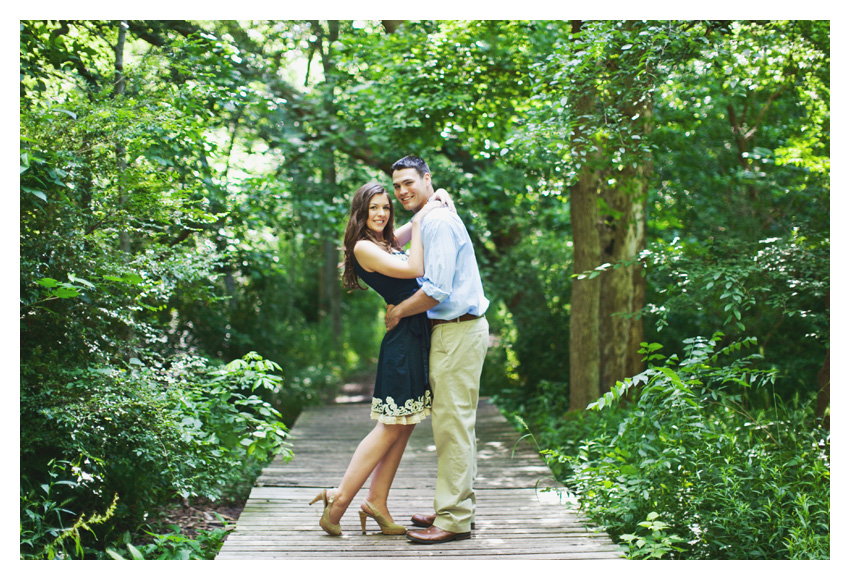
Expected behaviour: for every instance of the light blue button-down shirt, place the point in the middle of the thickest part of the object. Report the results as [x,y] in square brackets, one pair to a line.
[451,272]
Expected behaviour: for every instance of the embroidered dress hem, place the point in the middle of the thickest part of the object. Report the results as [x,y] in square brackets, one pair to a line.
[401,419]
[413,411]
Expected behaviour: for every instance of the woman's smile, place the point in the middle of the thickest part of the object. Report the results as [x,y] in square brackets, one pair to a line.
[379,214]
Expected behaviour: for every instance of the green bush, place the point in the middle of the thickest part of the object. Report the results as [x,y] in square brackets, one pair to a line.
[146,433]
[730,481]
[173,546]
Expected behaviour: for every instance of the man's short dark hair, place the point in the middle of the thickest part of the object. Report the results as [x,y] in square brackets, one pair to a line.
[413,161]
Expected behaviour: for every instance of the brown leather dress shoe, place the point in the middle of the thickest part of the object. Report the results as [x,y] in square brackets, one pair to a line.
[423,521]
[435,535]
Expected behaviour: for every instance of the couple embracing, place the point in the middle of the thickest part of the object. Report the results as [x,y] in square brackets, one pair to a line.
[431,357]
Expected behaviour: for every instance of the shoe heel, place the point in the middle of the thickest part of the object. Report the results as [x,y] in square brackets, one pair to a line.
[318,497]
[363,516]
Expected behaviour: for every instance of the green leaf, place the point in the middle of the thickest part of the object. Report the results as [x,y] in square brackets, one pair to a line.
[65,293]
[39,194]
[69,113]
[74,278]
[134,551]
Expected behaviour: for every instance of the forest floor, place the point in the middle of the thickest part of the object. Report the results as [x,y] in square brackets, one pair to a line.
[200,515]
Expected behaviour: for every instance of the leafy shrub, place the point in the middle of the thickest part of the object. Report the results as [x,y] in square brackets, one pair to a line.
[731,481]
[775,289]
[47,533]
[146,433]
[173,546]
[655,544]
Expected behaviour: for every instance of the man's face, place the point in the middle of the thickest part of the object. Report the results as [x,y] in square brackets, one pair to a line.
[412,190]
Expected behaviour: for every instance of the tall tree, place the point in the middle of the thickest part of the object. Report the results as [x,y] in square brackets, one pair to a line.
[594,117]
[585,329]
[329,287]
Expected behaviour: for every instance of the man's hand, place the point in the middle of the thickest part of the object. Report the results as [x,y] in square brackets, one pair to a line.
[391,319]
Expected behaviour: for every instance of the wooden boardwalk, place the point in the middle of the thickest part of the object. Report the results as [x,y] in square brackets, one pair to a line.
[515,519]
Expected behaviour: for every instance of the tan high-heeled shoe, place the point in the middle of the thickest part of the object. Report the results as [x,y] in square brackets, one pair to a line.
[325,520]
[388,527]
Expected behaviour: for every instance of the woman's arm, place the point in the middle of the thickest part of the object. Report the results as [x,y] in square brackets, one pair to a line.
[402,234]
[374,259]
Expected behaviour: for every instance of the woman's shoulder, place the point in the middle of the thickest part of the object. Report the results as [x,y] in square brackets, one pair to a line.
[371,247]
[365,246]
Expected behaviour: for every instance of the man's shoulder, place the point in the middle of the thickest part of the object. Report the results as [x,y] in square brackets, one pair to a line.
[442,216]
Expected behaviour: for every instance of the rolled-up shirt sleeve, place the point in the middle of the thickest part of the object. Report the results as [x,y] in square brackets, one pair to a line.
[441,253]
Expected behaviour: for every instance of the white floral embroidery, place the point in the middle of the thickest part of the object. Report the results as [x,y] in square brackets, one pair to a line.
[413,411]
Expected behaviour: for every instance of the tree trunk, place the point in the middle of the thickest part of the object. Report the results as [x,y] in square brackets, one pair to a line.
[605,334]
[823,387]
[391,25]
[330,287]
[330,292]
[823,392]
[584,307]
[120,152]
[623,290]
[128,335]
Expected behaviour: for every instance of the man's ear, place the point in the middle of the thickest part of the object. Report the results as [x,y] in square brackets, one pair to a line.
[427,178]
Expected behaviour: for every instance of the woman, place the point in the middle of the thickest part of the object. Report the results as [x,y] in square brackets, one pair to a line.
[402,396]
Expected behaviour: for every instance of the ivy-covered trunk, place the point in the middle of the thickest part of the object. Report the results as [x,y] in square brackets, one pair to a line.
[622,239]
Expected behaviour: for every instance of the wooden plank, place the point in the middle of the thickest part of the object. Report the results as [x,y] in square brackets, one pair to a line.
[518,515]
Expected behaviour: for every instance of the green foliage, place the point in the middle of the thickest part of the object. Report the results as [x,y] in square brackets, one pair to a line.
[652,542]
[773,289]
[743,134]
[178,223]
[731,481]
[173,546]
[45,532]
[147,433]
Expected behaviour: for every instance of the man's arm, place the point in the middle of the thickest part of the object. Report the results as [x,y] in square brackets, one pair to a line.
[419,302]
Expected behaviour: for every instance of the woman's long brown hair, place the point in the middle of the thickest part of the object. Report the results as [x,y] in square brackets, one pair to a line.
[356,230]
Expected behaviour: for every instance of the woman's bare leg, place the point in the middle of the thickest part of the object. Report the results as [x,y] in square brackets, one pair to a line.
[384,473]
[369,453]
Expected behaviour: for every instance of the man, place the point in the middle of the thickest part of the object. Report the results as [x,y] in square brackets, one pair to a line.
[453,296]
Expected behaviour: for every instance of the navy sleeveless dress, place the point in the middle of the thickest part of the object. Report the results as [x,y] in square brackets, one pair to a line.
[402,394]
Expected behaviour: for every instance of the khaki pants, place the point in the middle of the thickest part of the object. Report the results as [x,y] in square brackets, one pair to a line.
[457,356]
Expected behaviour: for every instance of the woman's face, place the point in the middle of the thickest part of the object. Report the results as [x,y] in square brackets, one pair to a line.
[379,214]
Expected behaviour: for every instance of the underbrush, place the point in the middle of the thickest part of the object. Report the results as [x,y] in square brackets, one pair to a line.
[102,449]
[675,462]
